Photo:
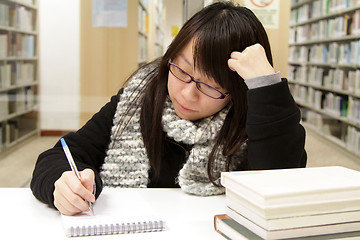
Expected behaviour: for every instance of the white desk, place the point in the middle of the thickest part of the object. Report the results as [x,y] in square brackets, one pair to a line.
[187,217]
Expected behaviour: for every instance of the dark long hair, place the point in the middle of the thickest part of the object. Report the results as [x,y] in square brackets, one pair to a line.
[217,30]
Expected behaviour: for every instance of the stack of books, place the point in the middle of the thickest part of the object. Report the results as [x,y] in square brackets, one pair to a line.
[311,203]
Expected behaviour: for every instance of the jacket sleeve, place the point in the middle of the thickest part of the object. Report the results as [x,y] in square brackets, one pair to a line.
[276,139]
[88,147]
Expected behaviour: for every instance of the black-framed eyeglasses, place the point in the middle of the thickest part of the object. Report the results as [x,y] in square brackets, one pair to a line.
[201,86]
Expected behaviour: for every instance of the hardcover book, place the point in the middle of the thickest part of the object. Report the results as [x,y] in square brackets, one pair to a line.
[231,229]
[296,186]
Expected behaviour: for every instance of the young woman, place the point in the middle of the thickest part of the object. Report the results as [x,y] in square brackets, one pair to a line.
[212,103]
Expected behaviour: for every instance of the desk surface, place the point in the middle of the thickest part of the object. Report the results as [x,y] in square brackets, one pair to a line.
[187,216]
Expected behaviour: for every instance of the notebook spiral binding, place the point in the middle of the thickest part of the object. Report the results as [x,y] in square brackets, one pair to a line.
[139,227]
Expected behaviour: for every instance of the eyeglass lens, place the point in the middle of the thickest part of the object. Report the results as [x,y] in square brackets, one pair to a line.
[185,77]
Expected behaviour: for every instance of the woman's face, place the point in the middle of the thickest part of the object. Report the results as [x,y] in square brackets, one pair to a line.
[189,103]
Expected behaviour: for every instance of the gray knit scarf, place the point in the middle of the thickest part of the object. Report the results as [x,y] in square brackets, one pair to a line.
[127,164]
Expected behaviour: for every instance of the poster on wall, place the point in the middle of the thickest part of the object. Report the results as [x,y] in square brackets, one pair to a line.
[109,13]
[266,10]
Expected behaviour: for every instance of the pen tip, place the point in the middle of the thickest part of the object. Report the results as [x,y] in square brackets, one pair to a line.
[91,209]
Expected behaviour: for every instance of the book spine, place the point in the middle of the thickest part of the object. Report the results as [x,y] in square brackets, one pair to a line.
[2,143]
[230,229]
[353,136]
[218,220]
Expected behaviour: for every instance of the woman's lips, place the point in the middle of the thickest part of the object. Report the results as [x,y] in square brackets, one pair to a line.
[184,109]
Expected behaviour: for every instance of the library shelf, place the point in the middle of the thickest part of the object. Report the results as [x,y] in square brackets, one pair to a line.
[150,30]
[143,29]
[19,78]
[324,68]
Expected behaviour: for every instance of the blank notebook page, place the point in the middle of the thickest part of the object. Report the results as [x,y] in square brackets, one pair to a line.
[116,212]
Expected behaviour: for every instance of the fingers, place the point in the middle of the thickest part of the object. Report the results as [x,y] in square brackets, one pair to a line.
[87,177]
[70,195]
[68,203]
[250,51]
[250,63]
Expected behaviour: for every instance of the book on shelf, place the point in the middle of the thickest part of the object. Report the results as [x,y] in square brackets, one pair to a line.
[29,98]
[142,52]
[333,79]
[24,18]
[345,25]
[2,143]
[4,15]
[5,75]
[14,43]
[21,45]
[315,75]
[314,119]
[354,109]
[354,81]
[28,2]
[23,73]
[336,104]
[4,105]
[134,215]
[16,101]
[355,52]
[17,16]
[356,22]
[318,53]
[143,19]
[20,100]
[16,73]
[12,131]
[344,54]
[3,45]
[353,139]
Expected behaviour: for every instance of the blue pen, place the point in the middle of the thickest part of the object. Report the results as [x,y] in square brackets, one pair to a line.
[73,166]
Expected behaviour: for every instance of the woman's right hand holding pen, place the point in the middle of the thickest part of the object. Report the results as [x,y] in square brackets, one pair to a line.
[71,195]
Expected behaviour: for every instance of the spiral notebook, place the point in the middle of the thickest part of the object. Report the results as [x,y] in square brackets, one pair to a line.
[116,212]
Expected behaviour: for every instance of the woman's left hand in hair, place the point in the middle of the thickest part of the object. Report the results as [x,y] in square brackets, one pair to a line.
[251,63]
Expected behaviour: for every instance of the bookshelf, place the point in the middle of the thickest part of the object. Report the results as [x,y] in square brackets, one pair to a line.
[158,29]
[151,33]
[18,71]
[155,29]
[324,68]
[143,25]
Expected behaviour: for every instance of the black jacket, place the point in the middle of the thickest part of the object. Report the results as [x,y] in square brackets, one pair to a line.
[275,140]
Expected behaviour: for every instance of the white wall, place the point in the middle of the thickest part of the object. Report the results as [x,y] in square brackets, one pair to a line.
[59,36]
[59,39]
